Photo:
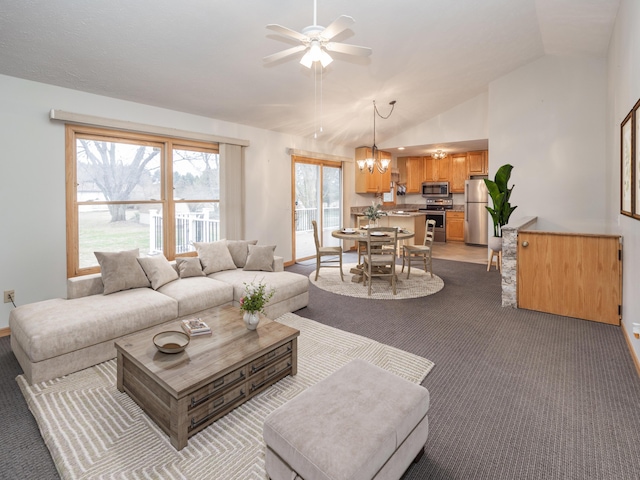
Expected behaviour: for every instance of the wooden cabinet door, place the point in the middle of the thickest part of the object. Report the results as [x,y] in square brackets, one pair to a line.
[383,180]
[477,162]
[572,275]
[444,169]
[458,172]
[415,174]
[430,169]
[455,226]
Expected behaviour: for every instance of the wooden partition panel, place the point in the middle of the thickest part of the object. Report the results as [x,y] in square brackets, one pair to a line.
[574,275]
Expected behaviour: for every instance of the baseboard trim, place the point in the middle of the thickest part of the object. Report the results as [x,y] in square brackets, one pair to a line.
[5,332]
[636,361]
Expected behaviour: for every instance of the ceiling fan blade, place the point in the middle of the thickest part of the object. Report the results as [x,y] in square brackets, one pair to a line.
[340,24]
[287,32]
[283,53]
[348,49]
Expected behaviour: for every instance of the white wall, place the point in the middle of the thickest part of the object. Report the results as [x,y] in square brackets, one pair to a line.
[32,180]
[623,93]
[466,121]
[548,120]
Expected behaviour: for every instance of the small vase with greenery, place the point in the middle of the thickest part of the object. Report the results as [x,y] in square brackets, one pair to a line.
[500,193]
[373,213]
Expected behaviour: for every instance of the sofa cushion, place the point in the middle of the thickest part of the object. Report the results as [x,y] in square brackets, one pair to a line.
[158,270]
[189,267]
[286,284]
[121,271]
[260,258]
[54,327]
[198,293]
[239,249]
[214,256]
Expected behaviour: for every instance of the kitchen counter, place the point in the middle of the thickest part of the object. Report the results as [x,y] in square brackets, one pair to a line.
[405,214]
[458,208]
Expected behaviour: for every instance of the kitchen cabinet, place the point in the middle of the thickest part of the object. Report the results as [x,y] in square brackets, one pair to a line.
[458,172]
[478,163]
[375,182]
[437,169]
[455,226]
[411,173]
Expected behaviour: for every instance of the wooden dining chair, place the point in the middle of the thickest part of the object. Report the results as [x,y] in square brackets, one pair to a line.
[326,252]
[420,252]
[380,261]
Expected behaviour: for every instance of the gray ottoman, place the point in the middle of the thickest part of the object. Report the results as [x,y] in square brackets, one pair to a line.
[361,422]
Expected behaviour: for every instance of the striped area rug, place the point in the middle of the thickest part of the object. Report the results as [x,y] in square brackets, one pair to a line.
[94,431]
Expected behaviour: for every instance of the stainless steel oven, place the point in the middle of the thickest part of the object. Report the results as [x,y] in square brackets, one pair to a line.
[436,209]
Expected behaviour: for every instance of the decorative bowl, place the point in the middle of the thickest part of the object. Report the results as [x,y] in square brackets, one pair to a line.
[171,341]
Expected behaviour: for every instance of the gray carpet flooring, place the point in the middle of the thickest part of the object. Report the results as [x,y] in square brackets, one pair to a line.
[515,394]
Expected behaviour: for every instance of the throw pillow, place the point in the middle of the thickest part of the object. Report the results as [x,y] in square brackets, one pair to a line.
[260,258]
[158,270]
[189,267]
[121,271]
[239,249]
[214,256]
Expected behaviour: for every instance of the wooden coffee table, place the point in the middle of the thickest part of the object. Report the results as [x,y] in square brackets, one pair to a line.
[185,392]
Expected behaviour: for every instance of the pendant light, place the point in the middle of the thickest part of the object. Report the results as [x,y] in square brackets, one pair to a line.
[374,161]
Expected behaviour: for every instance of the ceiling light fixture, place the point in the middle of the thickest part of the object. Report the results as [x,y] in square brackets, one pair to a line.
[439,154]
[374,161]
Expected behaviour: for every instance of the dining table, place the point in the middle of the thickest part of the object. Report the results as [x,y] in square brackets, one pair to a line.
[359,235]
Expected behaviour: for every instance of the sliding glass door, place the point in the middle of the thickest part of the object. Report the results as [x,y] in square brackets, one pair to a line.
[317,196]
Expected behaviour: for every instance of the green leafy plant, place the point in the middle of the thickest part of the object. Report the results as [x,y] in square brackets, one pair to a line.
[255,297]
[500,193]
[373,212]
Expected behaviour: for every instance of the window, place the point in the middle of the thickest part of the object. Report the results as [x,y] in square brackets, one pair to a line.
[128,190]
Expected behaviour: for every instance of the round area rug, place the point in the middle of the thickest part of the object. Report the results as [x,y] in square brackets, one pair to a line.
[419,284]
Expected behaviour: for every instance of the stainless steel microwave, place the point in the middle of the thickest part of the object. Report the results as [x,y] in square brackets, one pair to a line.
[435,189]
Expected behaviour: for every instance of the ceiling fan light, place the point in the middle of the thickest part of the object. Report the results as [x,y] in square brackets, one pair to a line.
[306,60]
[315,51]
[325,58]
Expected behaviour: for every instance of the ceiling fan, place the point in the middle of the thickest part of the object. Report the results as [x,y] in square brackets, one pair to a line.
[316,41]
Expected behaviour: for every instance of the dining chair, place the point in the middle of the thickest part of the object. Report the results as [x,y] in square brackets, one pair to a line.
[380,261]
[326,252]
[420,252]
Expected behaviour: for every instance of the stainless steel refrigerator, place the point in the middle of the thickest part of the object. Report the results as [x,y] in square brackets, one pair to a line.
[476,216]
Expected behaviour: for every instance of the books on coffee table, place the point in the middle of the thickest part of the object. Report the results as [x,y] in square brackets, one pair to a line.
[195,326]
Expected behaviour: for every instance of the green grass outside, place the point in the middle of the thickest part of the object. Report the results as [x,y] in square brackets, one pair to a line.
[98,234]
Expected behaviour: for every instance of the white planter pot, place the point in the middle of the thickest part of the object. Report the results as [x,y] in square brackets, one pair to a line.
[495,243]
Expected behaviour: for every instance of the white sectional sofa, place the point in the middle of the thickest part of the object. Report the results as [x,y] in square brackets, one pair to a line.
[56,337]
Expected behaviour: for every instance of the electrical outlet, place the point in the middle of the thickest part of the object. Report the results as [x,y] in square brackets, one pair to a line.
[9,296]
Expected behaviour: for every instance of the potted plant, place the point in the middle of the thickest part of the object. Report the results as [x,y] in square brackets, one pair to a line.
[500,193]
[254,300]
[373,213]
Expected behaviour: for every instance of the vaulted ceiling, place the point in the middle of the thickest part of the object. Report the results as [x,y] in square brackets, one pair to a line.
[205,56]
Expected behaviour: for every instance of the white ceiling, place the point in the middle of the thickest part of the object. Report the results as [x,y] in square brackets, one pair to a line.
[205,56]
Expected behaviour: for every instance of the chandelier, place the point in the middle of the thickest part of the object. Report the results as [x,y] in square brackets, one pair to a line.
[374,161]
[439,154]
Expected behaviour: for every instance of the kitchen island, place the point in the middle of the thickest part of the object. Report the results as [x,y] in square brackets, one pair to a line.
[413,221]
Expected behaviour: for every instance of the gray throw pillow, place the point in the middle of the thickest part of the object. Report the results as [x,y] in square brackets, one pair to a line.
[189,267]
[239,249]
[260,258]
[121,271]
[214,256]
[158,270]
